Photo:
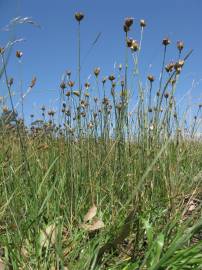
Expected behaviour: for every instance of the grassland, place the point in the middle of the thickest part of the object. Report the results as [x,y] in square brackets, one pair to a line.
[108,184]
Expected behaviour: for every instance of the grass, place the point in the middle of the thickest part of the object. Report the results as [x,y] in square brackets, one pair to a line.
[105,186]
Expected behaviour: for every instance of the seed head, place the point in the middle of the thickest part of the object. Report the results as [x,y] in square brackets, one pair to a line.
[166,95]
[180,45]
[87,85]
[104,80]
[86,94]
[79,16]
[120,67]
[69,73]
[111,78]
[76,93]
[128,22]
[10,82]
[1,50]
[62,85]
[43,108]
[51,113]
[179,65]
[135,46]
[166,41]
[143,23]
[19,54]
[169,67]
[68,93]
[126,28]
[129,42]
[150,78]
[70,83]
[5,109]
[97,71]
[33,82]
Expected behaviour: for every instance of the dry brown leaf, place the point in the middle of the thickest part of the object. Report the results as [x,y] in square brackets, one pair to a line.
[90,214]
[192,207]
[48,236]
[96,225]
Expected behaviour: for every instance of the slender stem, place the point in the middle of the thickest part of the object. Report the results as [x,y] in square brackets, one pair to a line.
[24,157]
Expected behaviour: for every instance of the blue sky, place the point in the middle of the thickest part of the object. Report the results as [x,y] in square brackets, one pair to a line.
[50,50]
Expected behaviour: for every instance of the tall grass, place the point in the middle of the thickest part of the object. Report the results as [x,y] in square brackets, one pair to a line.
[106,187]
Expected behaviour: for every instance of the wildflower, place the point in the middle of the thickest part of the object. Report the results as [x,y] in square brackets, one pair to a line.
[33,82]
[111,78]
[126,28]
[169,67]
[143,23]
[105,101]
[104,80]
[151,127]
[76,93]
[179,65]
[79,16]
[128,21]
[19,54]
[90,125]
[43,108]
[166,41]
[97,71]
[150,78]
[135,46]
[70,83]
[87,85]
[180,45]
[10,81]
[1,50]
[166,95]
[83,114]
[5,109]
[86,94]
[62,85]
[69,73]
[129,42]
[51,113]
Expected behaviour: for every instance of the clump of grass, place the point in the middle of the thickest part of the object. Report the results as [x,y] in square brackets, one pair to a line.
[109,187]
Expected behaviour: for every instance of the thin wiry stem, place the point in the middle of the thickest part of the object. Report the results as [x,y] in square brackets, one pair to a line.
[24,157]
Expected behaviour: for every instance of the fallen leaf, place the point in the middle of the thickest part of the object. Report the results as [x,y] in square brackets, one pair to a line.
[90,214]
[96,225]
[48,236]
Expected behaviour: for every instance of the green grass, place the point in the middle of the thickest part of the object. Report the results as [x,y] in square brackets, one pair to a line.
[111,188]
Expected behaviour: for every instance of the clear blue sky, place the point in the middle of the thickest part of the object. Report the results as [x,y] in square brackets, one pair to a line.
[49,51]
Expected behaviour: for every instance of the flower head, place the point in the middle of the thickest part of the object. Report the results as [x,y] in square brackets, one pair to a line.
[79,16]
[166,41]
[143,23]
